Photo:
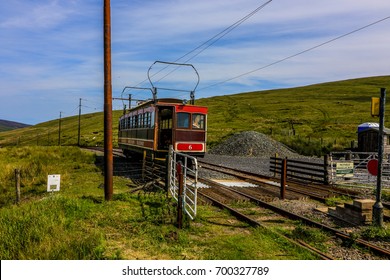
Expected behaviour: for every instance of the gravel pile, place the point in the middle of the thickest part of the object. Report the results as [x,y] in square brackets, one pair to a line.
[252,144]
[249,151]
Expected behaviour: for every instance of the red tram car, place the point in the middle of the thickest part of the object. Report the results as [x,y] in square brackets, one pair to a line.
[156,124]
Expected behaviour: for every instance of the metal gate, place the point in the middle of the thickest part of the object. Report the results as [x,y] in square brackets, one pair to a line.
[189,169]
[359,174]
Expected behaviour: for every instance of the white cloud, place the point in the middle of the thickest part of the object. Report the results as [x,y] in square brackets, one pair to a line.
[36,14]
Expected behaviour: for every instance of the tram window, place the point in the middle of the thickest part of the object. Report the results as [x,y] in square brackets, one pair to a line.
[165,118]
[198,121]
[183,120]
[135,121]
[146,119]
[152,119]
[139,120]
[166,124]
[128,123]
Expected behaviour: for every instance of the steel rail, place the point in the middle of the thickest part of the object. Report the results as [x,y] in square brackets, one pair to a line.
[330,190]
[307,221]
[260,179]
[255,223]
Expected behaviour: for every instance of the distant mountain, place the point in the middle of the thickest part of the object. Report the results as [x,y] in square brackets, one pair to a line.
[8,125]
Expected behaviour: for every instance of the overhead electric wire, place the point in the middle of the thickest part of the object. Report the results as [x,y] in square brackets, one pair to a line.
[214,39]
[209,42]
[223,33]
[299,53]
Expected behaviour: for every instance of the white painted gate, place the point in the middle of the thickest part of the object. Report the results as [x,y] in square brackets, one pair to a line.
[360,174]
[189,167]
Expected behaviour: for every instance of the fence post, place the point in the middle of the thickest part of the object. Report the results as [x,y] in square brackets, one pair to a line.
[180,196]
[143,165]
[326,169]
[17,185]
[167,172]
[283,179]
[276,164]
[330,159]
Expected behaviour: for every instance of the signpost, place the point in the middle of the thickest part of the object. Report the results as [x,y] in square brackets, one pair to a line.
[377,209]
[372,167]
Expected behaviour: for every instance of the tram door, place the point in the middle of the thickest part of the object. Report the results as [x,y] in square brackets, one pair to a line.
[165,128]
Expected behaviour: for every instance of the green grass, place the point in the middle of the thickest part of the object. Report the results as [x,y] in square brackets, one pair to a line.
[35,163]
[77,223]
[376,233]
[312,236]
[50,229]
[334,201]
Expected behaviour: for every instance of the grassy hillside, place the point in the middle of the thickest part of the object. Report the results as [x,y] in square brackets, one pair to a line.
[312,119]
[9,125]
[47,133]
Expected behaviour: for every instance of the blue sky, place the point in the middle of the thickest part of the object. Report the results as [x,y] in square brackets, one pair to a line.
[51,51]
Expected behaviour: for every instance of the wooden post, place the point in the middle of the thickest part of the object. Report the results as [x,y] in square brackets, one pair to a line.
[276,164]
[180,196]
[283,179]
[17,185]
[143,165]
[326,172]
[108,155]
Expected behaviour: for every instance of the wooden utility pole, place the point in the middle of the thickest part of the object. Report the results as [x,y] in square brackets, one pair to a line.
[283,179]
[59,130]
[108,156]
[17,185]
[78,136]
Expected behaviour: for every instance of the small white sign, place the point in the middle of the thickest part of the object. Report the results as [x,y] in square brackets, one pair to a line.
[53,183]
[344,169]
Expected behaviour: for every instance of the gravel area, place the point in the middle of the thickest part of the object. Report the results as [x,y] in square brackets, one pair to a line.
[252,144]
[254,164]
[251,151]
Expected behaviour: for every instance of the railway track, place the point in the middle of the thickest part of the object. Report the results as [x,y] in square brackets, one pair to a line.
[255,223]
[261,203]
[263,198]
[315,191]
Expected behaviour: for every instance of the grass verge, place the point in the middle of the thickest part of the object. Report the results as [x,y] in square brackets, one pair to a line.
[77,223]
